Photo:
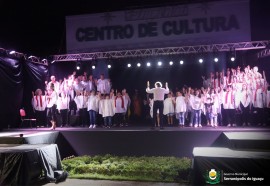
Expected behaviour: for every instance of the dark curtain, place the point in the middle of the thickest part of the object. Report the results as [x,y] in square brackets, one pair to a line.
[18,78]
[34,77]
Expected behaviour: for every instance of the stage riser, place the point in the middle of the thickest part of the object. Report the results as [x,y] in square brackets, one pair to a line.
[244,140]
[134,143]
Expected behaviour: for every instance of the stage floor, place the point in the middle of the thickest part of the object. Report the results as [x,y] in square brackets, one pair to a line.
[31,131]
[125,141]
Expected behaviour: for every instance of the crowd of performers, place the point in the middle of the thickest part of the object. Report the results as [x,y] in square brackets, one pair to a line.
[236,97]
[81,96]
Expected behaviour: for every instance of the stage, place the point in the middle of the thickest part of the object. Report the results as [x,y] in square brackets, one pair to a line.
[227,149]
[128,141]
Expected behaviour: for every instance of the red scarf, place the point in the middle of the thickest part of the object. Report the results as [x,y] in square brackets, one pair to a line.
[40,97]
[40,100]
[121,100]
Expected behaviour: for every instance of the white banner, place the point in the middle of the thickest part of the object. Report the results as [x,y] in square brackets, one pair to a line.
[181,25]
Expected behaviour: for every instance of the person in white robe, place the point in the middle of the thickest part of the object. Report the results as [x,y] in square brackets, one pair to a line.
[107,110]
[180,108]
[168,109]
[39,106]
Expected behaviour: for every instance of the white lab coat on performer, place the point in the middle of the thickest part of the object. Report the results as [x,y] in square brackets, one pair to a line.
[106,107]
[244,97]
[39,103]
[168,106]
[93,103]
[196,102]
[63,102]
[51,99]
[180,104]
[228,100]
[120,105]
[258,97]
[81,101]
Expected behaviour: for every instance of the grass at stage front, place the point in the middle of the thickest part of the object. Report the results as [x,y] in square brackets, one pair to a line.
[109,167]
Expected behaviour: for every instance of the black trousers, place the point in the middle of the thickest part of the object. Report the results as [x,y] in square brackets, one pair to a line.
[158,105]
[64,116]
[230,116]
[246,112]
[82,117]
[40,116]
[51,114]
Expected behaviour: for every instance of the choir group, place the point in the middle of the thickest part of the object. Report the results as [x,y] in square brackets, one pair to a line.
[237,97]
[80,96]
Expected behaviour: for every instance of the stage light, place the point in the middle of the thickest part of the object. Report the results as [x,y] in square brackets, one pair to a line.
[215,55]
[129,65]
[232,54]
[181,62]
[171,63]
[78,64]
[159,63]
[93,67]
[138,64]
[148,64]
[109,66]
[200,60]
[12,52]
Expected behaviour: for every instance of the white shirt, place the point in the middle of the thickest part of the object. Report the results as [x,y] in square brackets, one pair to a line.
[81,101]
[158,92]
[39,103]
[52,99]
[228,100]
[180,104]
[106,107]
[168,106]
[92,103]
[196,102]
[103,86]
[63,103]
[119,106]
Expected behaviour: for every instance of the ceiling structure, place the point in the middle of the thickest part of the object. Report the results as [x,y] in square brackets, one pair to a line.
[163,51]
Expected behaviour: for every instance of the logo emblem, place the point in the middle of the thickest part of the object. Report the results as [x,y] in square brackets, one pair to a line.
[212,177]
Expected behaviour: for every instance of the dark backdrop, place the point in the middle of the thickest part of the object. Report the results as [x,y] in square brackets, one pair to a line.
[18,78]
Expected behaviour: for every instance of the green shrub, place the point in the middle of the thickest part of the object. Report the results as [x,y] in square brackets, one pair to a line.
[164,169]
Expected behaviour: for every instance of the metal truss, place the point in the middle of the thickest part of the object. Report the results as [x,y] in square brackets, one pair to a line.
[37,60]
[18,55]
[263,53]
[162,51]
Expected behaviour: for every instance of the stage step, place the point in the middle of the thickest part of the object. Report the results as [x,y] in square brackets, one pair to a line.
[243,140]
